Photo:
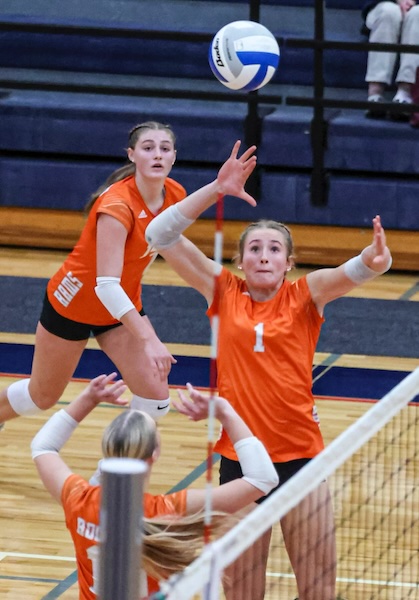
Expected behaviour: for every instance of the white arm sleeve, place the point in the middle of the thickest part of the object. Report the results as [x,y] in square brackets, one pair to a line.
[54,434]
[256,464]
[358,272]
[165,229]
[112,296]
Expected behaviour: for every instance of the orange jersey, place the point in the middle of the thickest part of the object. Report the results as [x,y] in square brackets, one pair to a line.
[264,366]
[81,503]
[71,290]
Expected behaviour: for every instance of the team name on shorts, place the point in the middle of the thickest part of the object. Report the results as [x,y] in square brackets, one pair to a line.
[67,289]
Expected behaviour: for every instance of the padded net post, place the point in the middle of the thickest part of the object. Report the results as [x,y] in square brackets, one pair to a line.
[121,528]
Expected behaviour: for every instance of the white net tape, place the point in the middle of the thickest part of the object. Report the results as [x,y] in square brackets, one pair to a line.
[203,576]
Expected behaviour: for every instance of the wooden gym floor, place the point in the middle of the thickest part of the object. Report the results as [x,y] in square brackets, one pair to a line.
[36,553]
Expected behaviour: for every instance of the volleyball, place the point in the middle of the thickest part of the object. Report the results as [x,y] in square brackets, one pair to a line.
[244,55]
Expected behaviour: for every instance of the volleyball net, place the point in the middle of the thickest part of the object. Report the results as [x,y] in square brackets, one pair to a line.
[372,470]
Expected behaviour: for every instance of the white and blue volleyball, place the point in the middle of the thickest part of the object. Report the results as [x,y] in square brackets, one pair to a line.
[244,55]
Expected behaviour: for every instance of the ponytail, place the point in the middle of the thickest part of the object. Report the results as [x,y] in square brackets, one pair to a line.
[115,176]
[171,544]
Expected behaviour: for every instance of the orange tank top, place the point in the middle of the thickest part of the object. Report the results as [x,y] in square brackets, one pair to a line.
[264,366]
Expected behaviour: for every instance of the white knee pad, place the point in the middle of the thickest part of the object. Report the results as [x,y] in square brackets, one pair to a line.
[155,408]
[20,399]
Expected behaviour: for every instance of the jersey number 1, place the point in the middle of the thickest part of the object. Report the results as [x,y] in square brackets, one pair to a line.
[259,347]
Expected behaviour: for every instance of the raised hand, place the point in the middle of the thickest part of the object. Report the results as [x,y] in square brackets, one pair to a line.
[195,407]
[104,389]
[160,358]
[235,172]
[377,255]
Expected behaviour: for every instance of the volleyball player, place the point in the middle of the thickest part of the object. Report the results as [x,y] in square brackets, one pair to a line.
[134,434]
[268,331]
[97,290]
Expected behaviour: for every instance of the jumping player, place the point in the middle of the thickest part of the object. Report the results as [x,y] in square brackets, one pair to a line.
[97,291]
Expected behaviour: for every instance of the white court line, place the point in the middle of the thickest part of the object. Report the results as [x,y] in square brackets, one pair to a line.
[354,580]
[328,367]
[36,556]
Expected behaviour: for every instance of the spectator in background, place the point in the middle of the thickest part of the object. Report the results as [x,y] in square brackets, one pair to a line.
[391,22]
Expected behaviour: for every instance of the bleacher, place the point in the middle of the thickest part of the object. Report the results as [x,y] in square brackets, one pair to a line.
[76,76]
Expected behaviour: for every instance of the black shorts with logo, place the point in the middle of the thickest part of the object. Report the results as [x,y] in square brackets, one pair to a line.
[68,329]
[231,469]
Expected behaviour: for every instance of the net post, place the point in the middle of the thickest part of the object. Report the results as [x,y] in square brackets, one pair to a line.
[121,515]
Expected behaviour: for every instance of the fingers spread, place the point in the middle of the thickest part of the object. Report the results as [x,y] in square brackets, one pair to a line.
[235,149]
[248,153]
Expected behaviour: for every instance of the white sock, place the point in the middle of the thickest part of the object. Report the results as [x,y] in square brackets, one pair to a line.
[402,96]
[375,98]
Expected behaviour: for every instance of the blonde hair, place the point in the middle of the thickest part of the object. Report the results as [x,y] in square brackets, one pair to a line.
[132,434]
[170,542]
[129,169]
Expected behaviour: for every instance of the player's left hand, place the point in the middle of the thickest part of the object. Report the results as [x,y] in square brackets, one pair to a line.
[377,255]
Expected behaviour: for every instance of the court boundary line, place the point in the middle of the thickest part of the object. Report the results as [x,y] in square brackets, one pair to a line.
[411,585]
[412,291]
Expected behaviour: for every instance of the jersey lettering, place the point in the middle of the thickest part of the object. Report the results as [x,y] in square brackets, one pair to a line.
[90,531]
[63,292]
[60,298]
[93,555]
[67,289]
[259,347]
[316,417]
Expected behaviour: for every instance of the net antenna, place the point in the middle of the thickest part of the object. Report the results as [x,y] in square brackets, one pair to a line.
[394,412]
[218,259]
[121,516]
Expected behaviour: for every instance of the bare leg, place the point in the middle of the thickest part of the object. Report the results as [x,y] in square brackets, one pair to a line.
[245,578]
[127,353]
[54,363]
[309,535]
[375,88]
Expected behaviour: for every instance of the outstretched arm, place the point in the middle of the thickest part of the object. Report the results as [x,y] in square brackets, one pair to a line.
[230,181]
[164,233]
[47,443]
[327,284]
[259,475]
[111,240]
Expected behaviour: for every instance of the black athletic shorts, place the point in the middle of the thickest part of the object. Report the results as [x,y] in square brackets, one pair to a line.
[231,469]
[68,329]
